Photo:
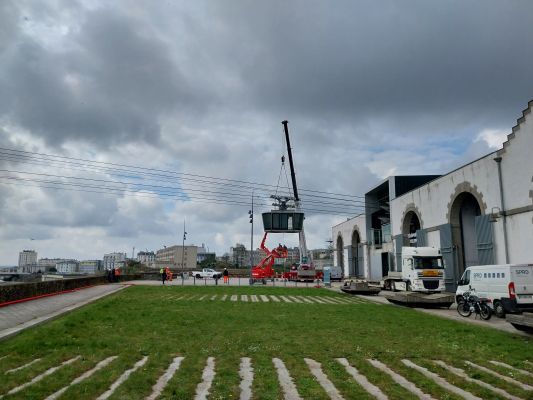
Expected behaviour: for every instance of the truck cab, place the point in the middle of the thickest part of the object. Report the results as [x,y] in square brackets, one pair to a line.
[422,270]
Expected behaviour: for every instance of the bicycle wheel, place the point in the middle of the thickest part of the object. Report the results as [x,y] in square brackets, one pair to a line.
[463,308]
[484,311]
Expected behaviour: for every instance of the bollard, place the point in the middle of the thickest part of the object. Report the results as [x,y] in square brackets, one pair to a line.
[205,281]
[194,280]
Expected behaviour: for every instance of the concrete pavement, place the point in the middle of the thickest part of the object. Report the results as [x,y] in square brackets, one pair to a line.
[17,317]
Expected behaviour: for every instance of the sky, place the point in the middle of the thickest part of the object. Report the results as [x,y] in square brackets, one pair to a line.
[370,89]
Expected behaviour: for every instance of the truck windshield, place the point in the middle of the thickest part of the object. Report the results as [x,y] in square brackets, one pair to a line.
[428,262]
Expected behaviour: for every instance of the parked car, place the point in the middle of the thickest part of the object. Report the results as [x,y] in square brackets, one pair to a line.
[207,273]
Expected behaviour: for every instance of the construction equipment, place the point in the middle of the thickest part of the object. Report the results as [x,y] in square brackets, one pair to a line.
[289,218]
[263,271]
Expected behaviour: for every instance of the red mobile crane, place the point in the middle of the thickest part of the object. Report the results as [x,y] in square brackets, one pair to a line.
[263,270]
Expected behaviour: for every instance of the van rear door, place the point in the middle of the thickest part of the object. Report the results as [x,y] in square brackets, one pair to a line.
[522,276]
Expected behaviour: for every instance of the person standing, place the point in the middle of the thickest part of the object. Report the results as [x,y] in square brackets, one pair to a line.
[226,276]
[163,274]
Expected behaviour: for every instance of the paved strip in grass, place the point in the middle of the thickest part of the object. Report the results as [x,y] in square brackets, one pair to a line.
[107,394]
[23,366]
[461,373]
[501,364]
[329,387]
[202,390]
[362,380]
[41,376]
[82,377]
[287,384]
[162,382]
[442,382]
[246,373]
[505,378]
[400,380]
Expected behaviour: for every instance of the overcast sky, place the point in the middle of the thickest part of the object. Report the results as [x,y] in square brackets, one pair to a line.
[371,88]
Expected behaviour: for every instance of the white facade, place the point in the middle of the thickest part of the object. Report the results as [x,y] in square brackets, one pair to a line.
[499,229]
[27,260]
[67,267]
[351,251]
[146,257]
[46,264]
[114,260]
[478,214]
[90,267]
[177,257]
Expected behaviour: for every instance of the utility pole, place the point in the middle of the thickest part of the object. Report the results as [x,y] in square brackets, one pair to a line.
[183,245]
[251,215]
[133,253]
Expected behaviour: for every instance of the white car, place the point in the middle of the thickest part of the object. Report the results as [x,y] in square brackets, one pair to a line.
[207,273]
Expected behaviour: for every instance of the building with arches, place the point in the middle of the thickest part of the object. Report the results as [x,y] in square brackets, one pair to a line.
[478,214]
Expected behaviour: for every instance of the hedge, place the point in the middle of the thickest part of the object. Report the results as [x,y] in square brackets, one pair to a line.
[25,290]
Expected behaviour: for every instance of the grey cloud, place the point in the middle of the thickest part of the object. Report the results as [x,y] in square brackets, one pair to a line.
[111,85]
[358,60]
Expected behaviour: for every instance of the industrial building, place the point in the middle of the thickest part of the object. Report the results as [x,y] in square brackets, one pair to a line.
[478,214]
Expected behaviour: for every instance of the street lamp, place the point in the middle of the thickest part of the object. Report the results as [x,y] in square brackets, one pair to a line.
[251,216]
[183,245]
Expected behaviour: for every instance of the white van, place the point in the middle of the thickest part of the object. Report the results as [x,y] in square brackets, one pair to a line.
[508,287]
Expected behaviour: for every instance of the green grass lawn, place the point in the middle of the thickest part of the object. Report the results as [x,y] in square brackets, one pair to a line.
[151,321]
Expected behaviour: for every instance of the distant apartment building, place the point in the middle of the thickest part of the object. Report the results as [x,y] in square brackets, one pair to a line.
[90,267]
[203,254]
[322,258]
[28,260]
[177,257]
[293,256]
[114,260]
[240,256]
[146,257]
[47,264]
[67,267]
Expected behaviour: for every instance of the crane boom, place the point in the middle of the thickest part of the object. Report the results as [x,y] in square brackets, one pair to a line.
[304,258]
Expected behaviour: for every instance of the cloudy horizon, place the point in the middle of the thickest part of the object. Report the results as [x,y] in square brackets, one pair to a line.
[370,89]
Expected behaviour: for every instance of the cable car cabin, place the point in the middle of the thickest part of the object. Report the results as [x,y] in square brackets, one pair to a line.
[283,221]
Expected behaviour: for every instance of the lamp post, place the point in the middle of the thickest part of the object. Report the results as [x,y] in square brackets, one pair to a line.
[251,215]
[183,246]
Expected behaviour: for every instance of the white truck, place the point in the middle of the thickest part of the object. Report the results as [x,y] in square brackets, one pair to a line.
[206,273]
[508,287]
[422,270]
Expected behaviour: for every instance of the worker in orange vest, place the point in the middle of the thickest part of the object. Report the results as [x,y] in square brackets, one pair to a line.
[169,273]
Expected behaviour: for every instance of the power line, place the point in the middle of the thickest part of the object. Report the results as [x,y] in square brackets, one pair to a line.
[140,169]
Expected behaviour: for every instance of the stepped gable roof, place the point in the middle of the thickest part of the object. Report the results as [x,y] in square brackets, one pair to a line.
[516,128]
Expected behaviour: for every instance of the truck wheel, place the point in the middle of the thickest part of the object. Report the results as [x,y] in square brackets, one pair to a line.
[408,286]
[198,276]
[499,311]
